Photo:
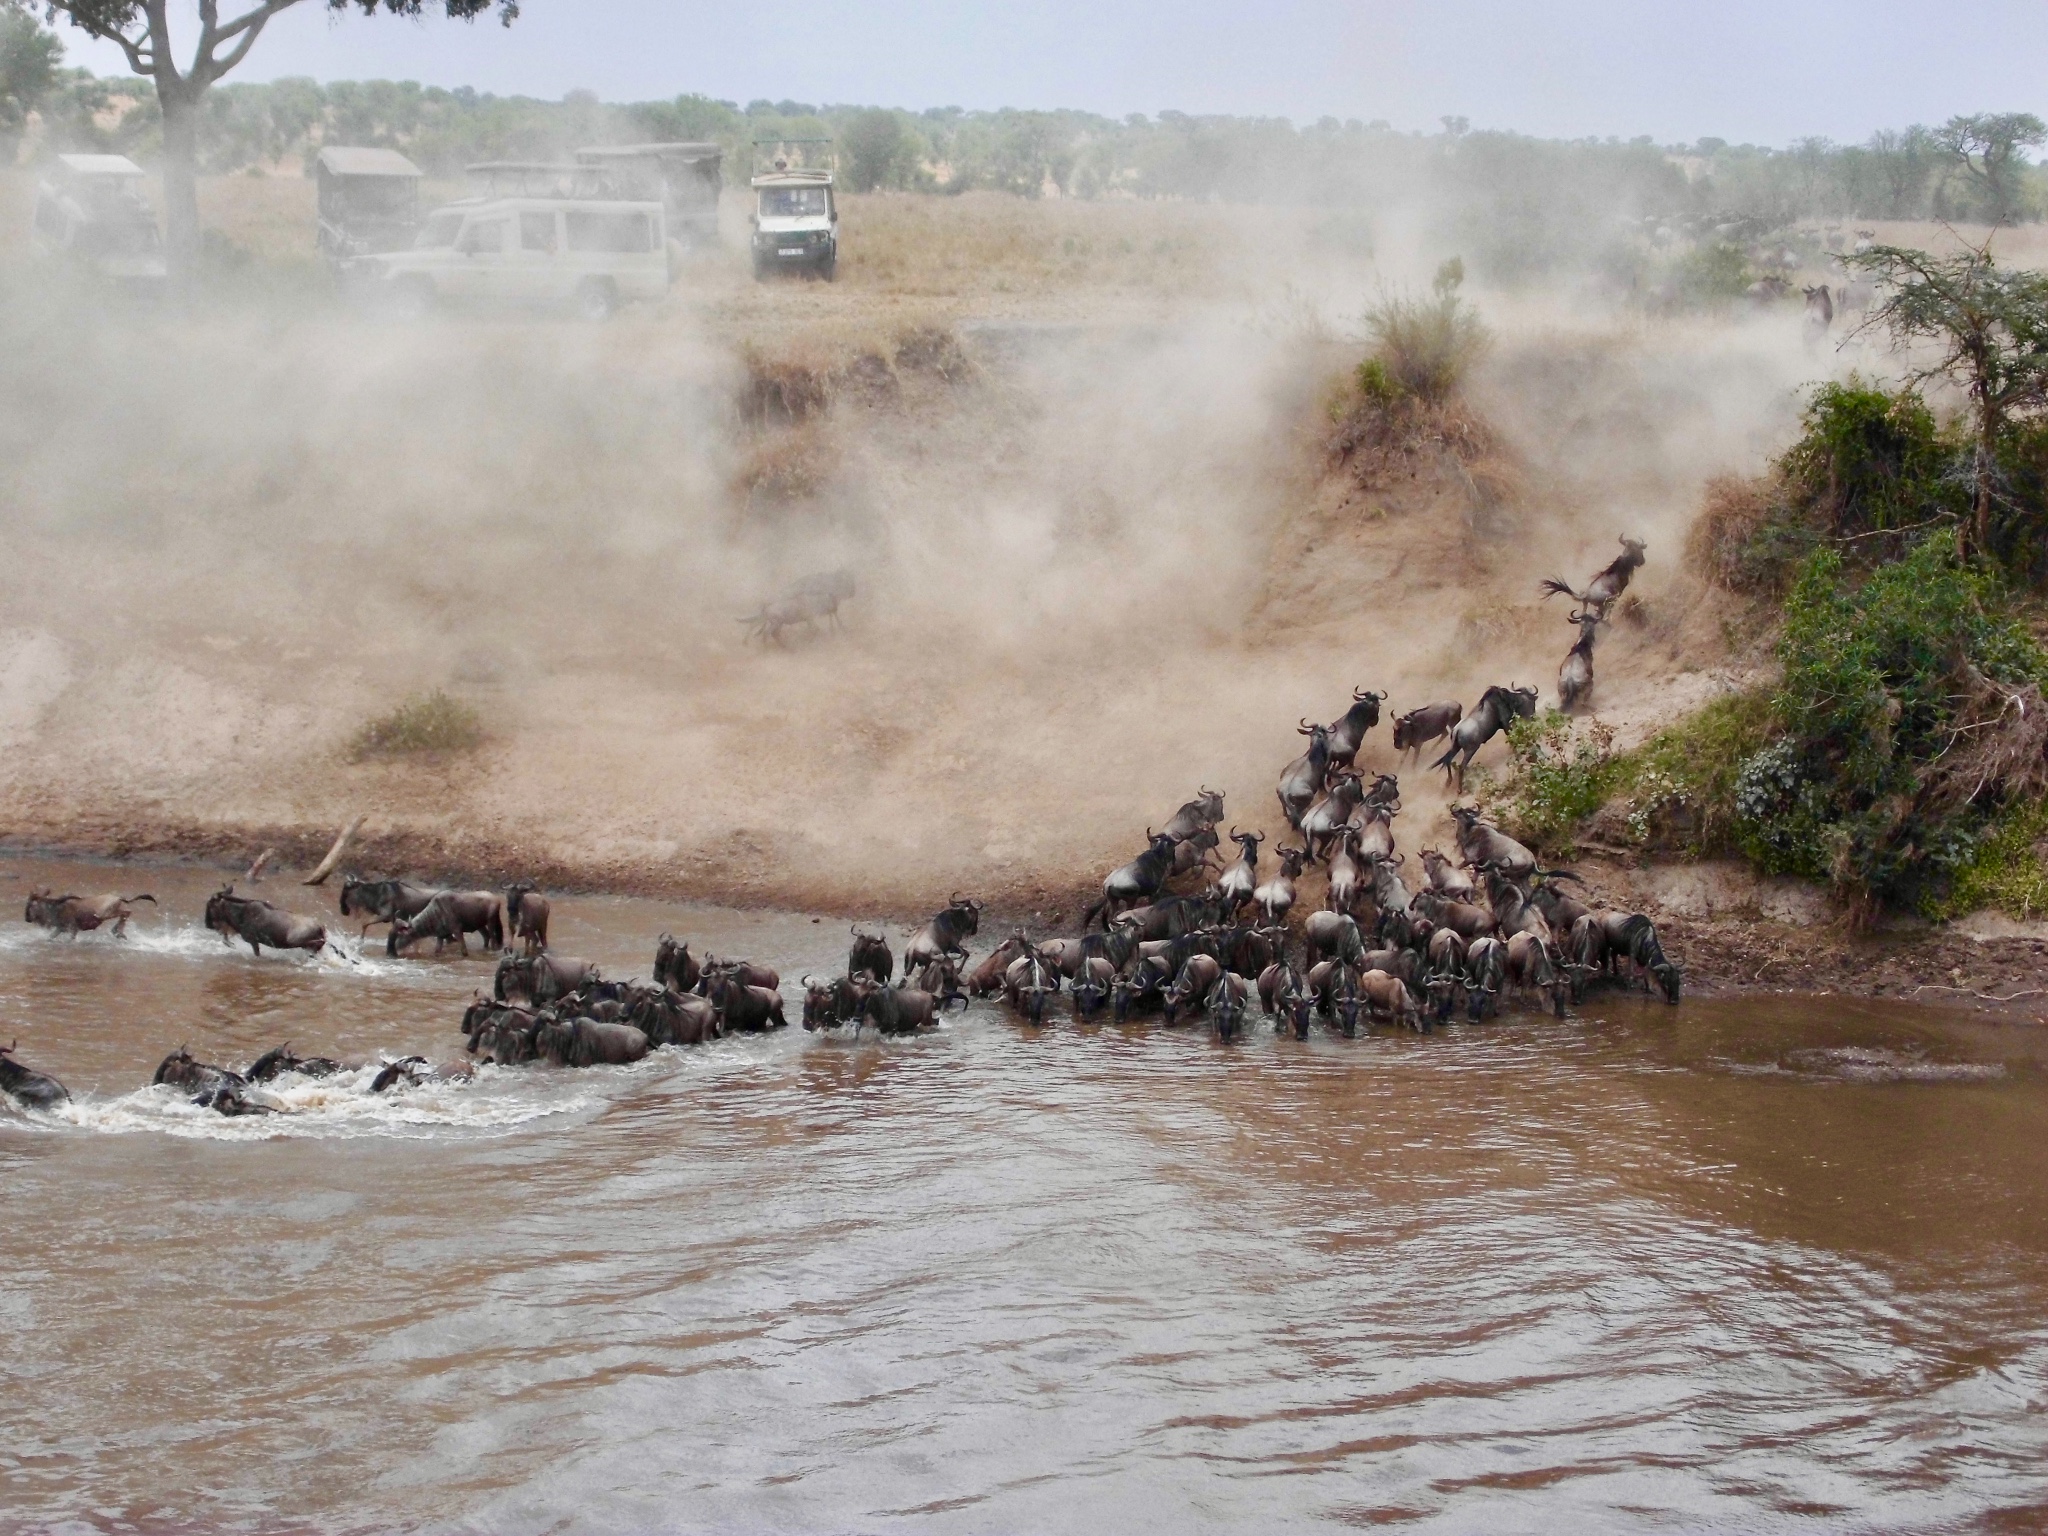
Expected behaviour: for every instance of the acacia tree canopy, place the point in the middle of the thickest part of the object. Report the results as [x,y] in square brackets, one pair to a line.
[1988,330]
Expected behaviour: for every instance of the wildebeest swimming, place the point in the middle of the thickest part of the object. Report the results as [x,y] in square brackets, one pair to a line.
[258,923]
[73,915]
[26,1086]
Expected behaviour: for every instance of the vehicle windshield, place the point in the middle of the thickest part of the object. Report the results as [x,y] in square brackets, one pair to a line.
[440,229]
[793,202]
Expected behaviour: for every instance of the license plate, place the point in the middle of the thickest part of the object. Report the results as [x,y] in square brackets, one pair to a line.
[790,250]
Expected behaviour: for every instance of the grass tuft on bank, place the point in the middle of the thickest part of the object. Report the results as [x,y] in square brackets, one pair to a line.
[426,722]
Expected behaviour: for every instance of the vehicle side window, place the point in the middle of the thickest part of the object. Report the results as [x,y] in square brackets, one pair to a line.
[487,236]
[537,232]
[590,230]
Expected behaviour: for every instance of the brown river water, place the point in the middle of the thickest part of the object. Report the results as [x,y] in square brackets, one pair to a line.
[1756,1264]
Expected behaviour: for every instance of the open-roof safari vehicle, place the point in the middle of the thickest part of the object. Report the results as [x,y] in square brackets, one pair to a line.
[90,211]
[684,178]
[369,201]
[796,218]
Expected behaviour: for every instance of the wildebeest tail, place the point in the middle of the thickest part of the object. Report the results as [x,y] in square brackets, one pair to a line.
[1550,587]
[1089,916]
[145,896]
[1444,762]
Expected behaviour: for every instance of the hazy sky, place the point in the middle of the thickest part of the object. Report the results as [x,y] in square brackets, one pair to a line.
[1766,71]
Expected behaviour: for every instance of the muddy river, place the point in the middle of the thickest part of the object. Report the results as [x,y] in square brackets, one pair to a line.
[1756,1264]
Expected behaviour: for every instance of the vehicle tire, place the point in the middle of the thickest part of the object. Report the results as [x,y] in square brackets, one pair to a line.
[761,270]
[597,300]
[412,298]
[828,269]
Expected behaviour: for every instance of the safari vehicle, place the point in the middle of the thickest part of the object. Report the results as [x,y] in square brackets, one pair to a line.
[90,211]
[796,218]
[684,178]
[369,201]
[534,251]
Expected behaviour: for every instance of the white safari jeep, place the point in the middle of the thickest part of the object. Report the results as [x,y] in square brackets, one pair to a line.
[593,254]
[796,223]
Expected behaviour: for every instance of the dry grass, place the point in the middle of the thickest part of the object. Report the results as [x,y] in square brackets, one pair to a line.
[426,722]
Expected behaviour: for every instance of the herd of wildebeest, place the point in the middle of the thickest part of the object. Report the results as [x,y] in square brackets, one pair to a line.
[1177,933]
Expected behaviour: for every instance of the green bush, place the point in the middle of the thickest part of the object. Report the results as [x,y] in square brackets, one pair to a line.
[1869,460]
[1679,787]
[426,722]
[2004,869]
[1422,348]
[1710,275]
[1560,771]
[1875,676]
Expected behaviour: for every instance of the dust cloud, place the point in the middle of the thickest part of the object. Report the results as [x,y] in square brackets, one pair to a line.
[1101,560]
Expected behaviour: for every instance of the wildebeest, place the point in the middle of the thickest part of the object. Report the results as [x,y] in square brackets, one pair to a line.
[588,1042]
[943,935]
[668,1017]
[1344,873]
[986,979]
[181,1069]
[1283,991]
[1389,996]
[1604,588]
[1140,880]
[1446,878]
[749,973]
[1601,938]
[830,1003]
[1467,919]
[1531,968]
[1331,813]
[526,916]
[1168,918]
[870,953]
[1485,975]
[1331,933]
[1090,987]
[279,1060]
[1198,973]
[898,1010]
[1431,722]
[1575,673]
[448,919]
[675,966]
[1348,731]
[1276,897]
[1497,709]
[1482,843]
[1302,780]
[1820,314]
[1235,885]
[1028,981]
[743,1009]
[383,901]
[1559,907]
[1227,1001]
[73,915]
[813,598]
[259,923]
[1199,815]
[540,978]
[26,1086]
[1195,852]
[501,1033]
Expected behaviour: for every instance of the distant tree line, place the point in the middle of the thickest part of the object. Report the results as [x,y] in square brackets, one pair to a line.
[1516,204]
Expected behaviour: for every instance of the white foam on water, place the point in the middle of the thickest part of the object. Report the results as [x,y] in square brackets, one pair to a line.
[344,954]
[497,1100]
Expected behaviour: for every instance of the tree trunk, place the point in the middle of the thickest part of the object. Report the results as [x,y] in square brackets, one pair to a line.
[181,180]
[1987,470]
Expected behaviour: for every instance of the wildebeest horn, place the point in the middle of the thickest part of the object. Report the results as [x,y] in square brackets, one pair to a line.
[804,981]
[1305,729]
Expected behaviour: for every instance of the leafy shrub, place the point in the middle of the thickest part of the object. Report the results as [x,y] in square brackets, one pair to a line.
[2005,869]
[1560,771]
[426,722]
[1425,347]
[1869,460]
[1877,681]
[1679,788]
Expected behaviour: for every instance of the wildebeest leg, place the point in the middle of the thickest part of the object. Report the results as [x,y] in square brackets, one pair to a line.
[255,948]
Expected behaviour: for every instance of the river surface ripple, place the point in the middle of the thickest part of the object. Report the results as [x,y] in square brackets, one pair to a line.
[1765,1264]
